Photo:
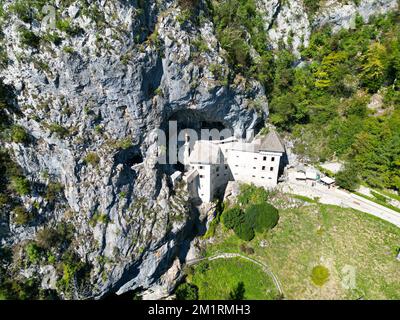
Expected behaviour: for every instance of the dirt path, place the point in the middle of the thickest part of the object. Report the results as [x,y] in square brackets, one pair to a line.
[265,267]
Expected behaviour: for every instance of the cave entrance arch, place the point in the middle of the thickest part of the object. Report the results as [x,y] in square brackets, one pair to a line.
[195,120]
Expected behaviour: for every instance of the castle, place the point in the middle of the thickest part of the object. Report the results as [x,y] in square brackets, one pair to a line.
[210,165]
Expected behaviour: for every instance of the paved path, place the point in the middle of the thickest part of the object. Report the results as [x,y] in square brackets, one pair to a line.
[238,255]
[342,198]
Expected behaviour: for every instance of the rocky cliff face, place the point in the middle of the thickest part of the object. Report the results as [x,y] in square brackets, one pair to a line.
[291,22]
[99,87]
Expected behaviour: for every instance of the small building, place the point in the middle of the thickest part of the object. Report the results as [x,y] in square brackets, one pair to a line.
[311,175]
[301,176]
[328,181]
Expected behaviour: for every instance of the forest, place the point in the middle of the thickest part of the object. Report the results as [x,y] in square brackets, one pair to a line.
[338,101]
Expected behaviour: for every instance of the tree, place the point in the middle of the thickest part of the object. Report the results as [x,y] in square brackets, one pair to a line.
[238,292]
[348,178]
[187,291]
[262,216]
[232,217]
[245,231]
[374,67]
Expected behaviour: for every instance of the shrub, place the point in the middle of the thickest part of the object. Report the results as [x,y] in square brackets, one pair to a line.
[68,50]
[48,238]
[238,292]
[244,231]
[75,272]
[54,191]
[20,185]
[250,194]
[19,134]
[21,216]
[124,144]
[29,38]
[186,291]
[246,249]
[33,252]
[262,216]
[22,10]
[232,217]
[59,130]
[258,217]
[348,179]
[98,218]
[92,159]
[202,267]
[320,275]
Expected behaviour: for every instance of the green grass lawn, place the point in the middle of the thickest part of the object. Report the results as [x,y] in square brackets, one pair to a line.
[320,235]
[223,276]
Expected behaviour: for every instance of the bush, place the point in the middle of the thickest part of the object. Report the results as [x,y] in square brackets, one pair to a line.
[92,159]
[232,217]
[21,185]
[250,194]
[348,179]
[257,217]
[54,191]
[246,249]
[186,291]
[75,272]
[202,267]
[19,134]
[33,252]
[262,216]
[21,216]
[48,238]
[244,231]
[59,130]
[29,38]
[22,9]
[320,275]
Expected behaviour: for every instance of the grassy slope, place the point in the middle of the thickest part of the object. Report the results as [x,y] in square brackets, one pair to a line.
[224,275]
[333,237]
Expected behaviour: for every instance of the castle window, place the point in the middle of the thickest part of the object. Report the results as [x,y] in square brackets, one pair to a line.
[226,167]
[254,176]
[273,159]
[265,158]
[201,176]
[271,169]
[263,168]
[201,167]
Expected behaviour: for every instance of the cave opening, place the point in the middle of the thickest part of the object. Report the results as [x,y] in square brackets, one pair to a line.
[197,121]
[129,157]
